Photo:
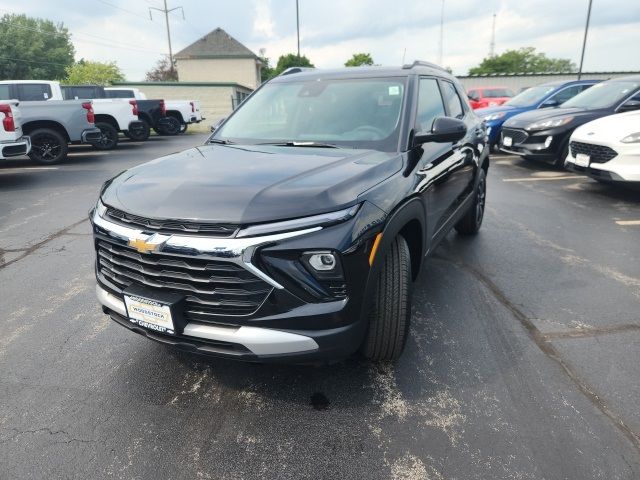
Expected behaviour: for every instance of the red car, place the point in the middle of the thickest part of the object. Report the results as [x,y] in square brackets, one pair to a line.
[481,97]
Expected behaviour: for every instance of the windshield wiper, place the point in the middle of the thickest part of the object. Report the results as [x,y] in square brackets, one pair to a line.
[221,141]
[301,144]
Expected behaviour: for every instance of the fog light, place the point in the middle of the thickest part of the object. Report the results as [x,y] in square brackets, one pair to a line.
[322,262]
[547,142]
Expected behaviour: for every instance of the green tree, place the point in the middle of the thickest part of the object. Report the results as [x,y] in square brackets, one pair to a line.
[359,59]
[33,48]
[94,73]
[267,71]
[524,60]
[162,72]
[291,60]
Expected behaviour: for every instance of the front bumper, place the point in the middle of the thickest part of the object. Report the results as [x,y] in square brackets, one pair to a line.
[543,145]
[16,148]
[285,327]
[623,167]
[91,135]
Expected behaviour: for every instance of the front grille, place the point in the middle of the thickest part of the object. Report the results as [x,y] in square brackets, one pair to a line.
[517,136]
[211,288]
[597,153]
[172,226]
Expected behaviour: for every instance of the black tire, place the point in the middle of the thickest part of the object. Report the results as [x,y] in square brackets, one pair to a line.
[170,127]
[140,133]
[391,305]
[109,138]
[48,146]
[183,127]
[472,221]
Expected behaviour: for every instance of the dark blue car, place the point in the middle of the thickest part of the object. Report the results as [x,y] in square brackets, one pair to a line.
[549,94]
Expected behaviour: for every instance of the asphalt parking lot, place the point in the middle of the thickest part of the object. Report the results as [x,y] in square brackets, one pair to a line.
[523,360]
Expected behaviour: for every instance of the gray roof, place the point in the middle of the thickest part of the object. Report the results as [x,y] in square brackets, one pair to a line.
[216,44]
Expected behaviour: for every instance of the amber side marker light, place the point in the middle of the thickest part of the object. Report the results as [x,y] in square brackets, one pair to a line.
[374,248]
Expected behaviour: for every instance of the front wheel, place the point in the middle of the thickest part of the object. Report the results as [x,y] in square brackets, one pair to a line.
[47,146]
[391,305]
[108,139]
[472,221]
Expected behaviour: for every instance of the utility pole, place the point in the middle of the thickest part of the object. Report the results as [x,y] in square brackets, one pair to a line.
[584,41]
[492,46]
[166,12]
[298,28]
[440,55]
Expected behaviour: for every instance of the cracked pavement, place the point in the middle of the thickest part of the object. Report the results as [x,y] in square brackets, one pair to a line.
[523,359]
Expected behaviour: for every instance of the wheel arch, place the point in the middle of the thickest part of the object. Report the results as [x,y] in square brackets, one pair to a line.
[177,114]
[29,127]
[408,220]
[106,118]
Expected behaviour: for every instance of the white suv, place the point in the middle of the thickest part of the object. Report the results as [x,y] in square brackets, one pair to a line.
[607,149]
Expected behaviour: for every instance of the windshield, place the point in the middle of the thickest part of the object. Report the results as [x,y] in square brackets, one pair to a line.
[530,96]
[602,95]
[358,113]
[497,93]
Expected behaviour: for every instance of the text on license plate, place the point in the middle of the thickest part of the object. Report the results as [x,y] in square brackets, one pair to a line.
[149,314]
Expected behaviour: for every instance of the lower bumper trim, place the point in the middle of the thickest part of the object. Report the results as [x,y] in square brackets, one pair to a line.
[259,341]
[91,135]
[16,148]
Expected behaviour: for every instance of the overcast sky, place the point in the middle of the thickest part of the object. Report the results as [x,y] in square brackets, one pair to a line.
[331,30]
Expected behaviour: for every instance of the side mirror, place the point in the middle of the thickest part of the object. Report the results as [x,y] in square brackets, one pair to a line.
[444,129]
[217,123]
[552,102]
[629,106]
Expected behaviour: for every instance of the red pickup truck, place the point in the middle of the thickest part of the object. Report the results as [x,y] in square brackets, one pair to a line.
[481,97]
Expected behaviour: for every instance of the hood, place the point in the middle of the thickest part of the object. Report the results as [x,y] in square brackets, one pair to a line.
[611,128]
[483,112]
[249,184]
[523,120]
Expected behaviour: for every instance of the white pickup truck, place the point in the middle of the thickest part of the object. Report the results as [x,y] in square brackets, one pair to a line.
[12,142]
[184,112]
[111,116]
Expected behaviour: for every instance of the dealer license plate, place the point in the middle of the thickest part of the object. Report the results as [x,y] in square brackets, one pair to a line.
[507,141]
[582,160]
[149,314]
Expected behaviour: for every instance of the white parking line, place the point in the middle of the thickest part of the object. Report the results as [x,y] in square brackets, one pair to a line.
[25,169]
[628,222]
[541,179]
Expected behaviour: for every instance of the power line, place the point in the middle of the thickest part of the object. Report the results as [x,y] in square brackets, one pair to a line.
[34,61]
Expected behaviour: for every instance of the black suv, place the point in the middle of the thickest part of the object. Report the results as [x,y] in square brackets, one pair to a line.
[544,134]
[295,232]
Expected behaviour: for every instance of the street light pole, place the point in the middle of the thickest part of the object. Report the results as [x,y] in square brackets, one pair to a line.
[584,41]
[298,29]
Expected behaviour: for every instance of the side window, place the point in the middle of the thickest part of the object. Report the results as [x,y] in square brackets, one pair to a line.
[430,104]
[567,94]
[28,92]
[5,92]
[452,100]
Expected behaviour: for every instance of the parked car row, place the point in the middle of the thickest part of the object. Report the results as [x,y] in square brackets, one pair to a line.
[54,116]
[579,125]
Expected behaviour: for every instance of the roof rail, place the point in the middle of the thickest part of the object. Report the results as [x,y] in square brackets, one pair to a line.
[291,70]
[422,63]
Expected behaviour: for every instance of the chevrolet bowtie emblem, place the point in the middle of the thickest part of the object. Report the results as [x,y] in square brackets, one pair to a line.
[143,246]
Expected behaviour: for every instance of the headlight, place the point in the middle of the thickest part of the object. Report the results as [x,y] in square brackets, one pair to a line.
[494,116]
[321,220]
[633,138]
[554,122]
